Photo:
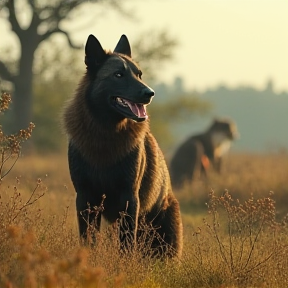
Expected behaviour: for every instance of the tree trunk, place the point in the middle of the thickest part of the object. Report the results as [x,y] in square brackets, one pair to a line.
[22,98]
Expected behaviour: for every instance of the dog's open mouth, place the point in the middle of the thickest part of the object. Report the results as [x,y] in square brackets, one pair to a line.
[135,111]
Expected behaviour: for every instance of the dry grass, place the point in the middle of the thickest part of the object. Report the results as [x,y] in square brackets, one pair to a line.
[243,175]
[235,232]
[232,247]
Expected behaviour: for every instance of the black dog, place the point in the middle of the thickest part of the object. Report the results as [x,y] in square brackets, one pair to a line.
[112,152]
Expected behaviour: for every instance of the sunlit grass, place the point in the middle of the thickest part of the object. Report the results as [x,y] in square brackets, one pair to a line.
[235,230]
[41,246]
[243,175]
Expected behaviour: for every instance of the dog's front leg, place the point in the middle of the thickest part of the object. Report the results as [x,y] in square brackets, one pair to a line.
[129,223]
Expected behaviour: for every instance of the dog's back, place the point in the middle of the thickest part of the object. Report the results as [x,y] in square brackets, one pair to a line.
[194,157]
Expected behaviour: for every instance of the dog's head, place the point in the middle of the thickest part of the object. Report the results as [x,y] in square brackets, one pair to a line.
[225,127]
[116,81]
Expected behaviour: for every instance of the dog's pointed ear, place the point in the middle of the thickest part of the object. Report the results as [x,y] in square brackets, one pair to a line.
[94,53]
[123,46]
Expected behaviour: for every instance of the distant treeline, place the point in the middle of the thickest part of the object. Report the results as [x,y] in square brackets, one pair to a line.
[261,115]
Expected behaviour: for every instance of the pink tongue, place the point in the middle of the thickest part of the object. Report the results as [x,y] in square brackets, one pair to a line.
[138,109]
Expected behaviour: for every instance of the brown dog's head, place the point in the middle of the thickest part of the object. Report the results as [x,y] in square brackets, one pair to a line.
[116,88]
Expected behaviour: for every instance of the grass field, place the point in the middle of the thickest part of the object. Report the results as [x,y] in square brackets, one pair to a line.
[235,232]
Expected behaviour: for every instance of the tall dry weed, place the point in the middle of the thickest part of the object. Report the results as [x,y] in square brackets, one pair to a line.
[243,240]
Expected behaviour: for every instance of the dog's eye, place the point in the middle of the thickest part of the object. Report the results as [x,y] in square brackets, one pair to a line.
[140,74]
[118,74]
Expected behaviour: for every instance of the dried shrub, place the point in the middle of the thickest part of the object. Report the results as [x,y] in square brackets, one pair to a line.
[244,239]
[10,145]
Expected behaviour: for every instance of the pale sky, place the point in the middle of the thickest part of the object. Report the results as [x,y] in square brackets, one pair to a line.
[233,42]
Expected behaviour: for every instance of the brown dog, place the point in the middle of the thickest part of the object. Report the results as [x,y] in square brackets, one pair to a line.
[198,151]
[112,152]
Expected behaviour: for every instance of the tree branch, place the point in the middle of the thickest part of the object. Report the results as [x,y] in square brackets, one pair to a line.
[12,17]
[35,21]
[71,44]
[53,15]
[65,33]
[32,4]
[5,74]
[56,13]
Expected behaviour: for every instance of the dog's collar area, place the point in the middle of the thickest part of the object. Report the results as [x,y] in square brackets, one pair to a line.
[130,109]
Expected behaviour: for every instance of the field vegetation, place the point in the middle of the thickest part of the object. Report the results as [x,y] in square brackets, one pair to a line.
[235,228]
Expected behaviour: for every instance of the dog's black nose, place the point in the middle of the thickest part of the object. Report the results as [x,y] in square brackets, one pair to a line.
[148,92]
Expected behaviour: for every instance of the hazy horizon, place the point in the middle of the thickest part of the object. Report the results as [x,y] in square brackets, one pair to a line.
[230,42]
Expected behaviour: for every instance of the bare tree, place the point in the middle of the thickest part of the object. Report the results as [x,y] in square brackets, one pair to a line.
[46,20]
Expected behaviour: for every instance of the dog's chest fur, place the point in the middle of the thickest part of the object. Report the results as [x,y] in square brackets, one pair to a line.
[221,144]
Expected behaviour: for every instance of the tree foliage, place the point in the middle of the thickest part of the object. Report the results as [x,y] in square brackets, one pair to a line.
[152,49]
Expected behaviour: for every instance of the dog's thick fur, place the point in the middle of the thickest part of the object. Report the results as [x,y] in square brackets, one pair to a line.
[112,152]
[197,152]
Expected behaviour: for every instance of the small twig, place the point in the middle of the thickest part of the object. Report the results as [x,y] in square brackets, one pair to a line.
[65,217]
[2,163]
[29,202]
[261,262]
[230,242]
[220,244]
[242,250]
[11,167]
[253,244]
